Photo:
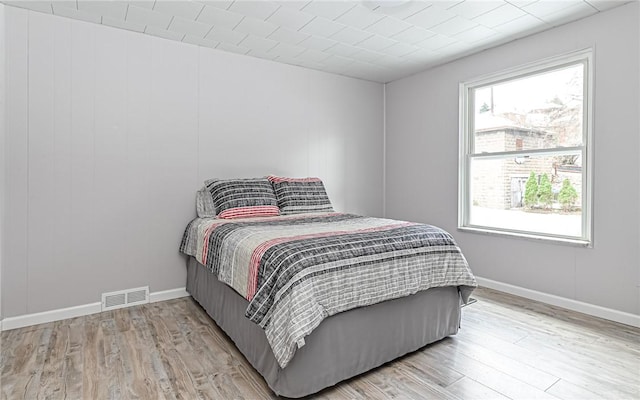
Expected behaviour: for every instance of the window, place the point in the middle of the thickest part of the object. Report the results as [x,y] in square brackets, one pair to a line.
[525,151]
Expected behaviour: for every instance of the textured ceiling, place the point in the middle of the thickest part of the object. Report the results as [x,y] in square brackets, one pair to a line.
[374,40]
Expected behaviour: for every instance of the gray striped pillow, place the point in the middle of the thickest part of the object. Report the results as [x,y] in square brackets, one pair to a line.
[243,198]
[300,195]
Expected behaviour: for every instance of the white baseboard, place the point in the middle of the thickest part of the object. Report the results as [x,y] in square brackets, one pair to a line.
[78,311]
[49,316]
[168,295]
[570,304]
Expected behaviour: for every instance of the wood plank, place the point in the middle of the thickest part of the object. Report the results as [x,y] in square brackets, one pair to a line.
[466,388]
[482,373]
[566,390]
[172,350]
[73,368]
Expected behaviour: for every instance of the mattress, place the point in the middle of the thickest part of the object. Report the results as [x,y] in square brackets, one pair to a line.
[343,345]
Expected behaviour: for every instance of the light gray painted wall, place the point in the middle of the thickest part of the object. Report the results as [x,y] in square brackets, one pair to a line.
[110,133]
[2,145]
[422,154]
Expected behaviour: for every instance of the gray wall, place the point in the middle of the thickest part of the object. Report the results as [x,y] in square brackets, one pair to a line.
[110,133]
[2,146]
[422,156]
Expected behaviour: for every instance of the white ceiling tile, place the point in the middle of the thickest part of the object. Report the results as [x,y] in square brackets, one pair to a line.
[337,61]
[499,16]
[447,4]
[455,48]
[219,17]
[476,34]
[405,10]
[255,27]
[351,35]
[223,4]
[400,49]
[163,33]
[413,35]
[64,3]
[122,24]
[521,3]
[388,26]
[471,9]
[112,9]
[521,26]
[330,35]
[436,42]
[377,43]
[318,43]
[454,26]
[288,36]
[389,61]
[258,43]
[430,17]
[359,17]
[225,35]
[184,9]
[366,55]
[287,50]
[257,9]
[42,6]
[300,62]
[260,54]
[367,71]
[200,41]
[294,4]
[545,7]
[329,9]
[603,5]
[321,27]
[142,3]
[184,26]
[232,48]
[335,69]
[290,18]
[422,55]
[147,17]
[577,11]
[404,71]
[77,14]
[344,50]
[313,55]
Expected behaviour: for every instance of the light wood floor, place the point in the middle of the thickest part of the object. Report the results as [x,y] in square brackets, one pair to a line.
[508,347]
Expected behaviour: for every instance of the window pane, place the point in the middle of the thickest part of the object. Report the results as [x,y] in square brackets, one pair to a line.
[533,194]
[536,112]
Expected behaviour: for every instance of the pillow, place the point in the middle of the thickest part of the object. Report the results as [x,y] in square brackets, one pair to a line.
[204,204]
[243,198]
[300,195]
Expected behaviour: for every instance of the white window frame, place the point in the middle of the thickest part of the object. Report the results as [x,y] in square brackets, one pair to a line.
[466,145]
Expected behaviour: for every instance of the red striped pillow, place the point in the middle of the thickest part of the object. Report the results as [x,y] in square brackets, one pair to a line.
[247,212]
[243,198]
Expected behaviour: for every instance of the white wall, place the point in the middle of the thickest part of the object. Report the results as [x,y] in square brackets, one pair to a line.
[110,133]
[421,164]
[2,146]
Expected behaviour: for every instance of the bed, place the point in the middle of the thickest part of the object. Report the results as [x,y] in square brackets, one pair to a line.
[315,297]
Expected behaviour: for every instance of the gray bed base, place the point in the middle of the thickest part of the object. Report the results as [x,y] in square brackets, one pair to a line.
[343,346]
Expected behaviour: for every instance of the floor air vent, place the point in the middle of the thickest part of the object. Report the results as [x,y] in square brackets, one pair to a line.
[125,298]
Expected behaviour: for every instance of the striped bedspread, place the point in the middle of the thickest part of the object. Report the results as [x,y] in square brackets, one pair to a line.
[296,270]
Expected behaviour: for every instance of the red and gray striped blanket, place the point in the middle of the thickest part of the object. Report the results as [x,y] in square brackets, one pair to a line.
[296,270]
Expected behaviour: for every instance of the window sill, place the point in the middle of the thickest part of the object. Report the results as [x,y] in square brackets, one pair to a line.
[528,236]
